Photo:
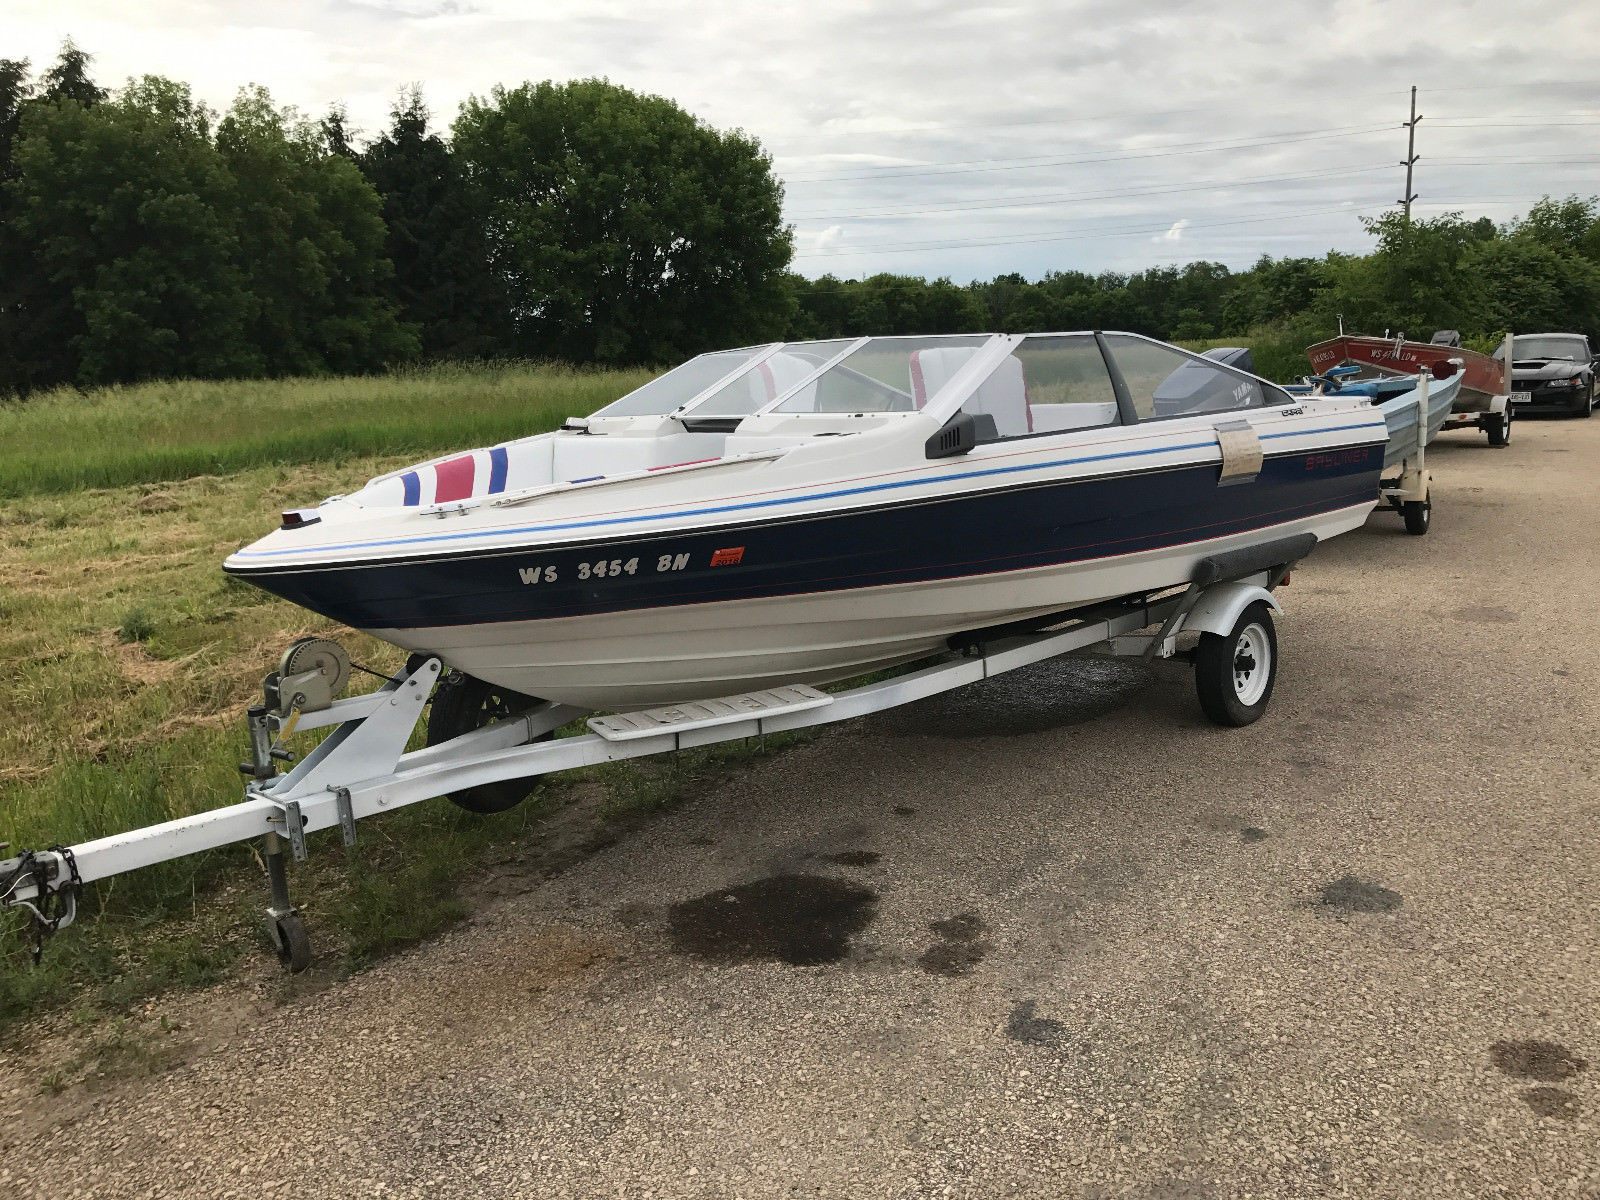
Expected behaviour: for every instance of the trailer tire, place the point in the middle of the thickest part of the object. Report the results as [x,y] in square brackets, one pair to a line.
[461,704]
[1234,672]
[1418,515]
[1498,428]
[290,940]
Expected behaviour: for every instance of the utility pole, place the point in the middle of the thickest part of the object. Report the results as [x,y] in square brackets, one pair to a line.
[1411,154]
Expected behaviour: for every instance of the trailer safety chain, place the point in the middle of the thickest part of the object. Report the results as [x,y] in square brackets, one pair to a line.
[52,908]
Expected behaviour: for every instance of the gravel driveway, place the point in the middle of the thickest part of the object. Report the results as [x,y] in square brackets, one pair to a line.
[1060,939]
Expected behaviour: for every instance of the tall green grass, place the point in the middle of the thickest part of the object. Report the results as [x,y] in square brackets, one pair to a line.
[67,439]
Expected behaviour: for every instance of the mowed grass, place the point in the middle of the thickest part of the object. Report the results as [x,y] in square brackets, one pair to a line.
[130,657]
[166,431]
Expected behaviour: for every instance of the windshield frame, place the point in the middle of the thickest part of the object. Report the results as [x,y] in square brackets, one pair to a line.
[1576,340]
[764,350]
[936,403]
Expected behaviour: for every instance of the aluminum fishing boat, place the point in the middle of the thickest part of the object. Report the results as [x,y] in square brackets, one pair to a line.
[806,512]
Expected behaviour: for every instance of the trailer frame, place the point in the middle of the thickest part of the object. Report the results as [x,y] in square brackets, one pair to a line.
[362,768]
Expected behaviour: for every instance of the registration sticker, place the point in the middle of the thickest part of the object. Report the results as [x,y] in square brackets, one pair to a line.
[729,557]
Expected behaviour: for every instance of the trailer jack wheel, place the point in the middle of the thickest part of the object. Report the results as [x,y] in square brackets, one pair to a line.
[290,940]
[1418,515]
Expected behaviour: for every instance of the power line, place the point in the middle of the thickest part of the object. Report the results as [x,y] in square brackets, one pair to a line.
[1057,197]
[973,166]
[1029,239]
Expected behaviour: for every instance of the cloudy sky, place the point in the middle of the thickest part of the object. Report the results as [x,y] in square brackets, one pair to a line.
[959,139]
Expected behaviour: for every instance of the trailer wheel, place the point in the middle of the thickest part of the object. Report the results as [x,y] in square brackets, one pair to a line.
[1418,515]
[290,940]
[1234,672]
[1498,428]
[462,704]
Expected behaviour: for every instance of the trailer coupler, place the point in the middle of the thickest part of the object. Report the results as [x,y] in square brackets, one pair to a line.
[53,875]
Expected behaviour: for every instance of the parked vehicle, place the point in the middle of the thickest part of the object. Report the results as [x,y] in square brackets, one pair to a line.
[1552,372]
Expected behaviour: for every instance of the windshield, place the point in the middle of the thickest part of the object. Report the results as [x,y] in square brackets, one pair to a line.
[759,385]
[1542,346]
[683,383]
[890,374]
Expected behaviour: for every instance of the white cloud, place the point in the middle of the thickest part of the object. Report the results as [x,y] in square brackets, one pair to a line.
[829,238]
[954,139]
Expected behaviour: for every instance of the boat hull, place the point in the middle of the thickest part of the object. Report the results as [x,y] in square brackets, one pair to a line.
[650,619]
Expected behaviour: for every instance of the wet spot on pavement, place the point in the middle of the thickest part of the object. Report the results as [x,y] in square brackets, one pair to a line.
[953,959]
[1349,894]
[1033,699]
[1552,1102]
[958,949]
[854,858]
[904,810]
[634,913]
[964,927]
[702,841]
[1485,615]
[1252,834]
[802,920]
[1023,1026]
[1534,1059]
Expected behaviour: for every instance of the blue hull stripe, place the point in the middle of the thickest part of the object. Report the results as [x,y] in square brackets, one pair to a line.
[1026,526]
[718,510]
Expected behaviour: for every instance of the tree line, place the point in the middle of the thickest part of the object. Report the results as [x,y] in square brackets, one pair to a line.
[144,236]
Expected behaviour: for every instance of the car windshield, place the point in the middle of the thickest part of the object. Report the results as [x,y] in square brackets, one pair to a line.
[1559,346]
[888,374]
[683,383]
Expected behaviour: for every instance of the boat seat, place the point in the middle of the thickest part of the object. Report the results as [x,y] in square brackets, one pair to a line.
[1003,395]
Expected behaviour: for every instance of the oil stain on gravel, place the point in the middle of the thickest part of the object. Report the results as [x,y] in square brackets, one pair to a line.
[854,858]
[959,948]
[1547,1062]
[802,920]
[1048,695]
[1023,1026]
[1352,895]
[1552,1102]
[1251,834]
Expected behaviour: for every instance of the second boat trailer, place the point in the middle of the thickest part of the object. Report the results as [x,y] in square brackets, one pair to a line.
[362,768]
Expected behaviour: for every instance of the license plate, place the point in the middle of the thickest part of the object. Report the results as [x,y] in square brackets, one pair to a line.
[1522,397]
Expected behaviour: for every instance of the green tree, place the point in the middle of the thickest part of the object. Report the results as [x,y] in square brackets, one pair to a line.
[622,228]
[310,239]
[69,78]
[436,239]
[123,208]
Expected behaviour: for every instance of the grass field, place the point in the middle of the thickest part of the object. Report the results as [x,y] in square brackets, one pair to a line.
[129,658]
[166,431]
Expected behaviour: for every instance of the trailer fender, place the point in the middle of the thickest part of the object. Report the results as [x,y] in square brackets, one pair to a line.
[1217,610]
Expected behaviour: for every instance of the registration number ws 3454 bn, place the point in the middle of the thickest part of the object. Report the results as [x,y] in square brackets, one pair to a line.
[602,568]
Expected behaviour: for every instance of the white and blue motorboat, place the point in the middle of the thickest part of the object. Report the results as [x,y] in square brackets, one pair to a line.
[803,513]
[1396,397]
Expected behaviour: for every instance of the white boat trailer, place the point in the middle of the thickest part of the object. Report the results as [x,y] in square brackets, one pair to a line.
[362,769]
